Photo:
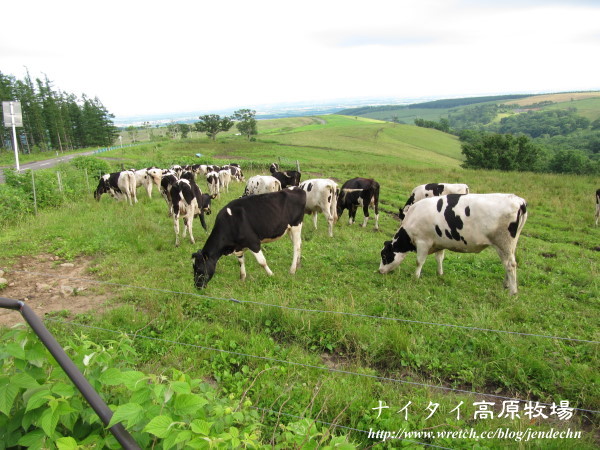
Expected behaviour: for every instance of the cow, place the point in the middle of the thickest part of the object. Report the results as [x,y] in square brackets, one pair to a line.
[287,178]
[261,184]
[177,169]
[205,203]
[431,190]
[246,223]
[597,205]
[187,203]
[168,180]
[236,172]
[461,223]
[359,192]
[145,178]
[321,196]
[212,179]
[118,185]
[224,179]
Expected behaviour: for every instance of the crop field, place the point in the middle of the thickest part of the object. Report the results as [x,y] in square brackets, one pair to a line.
[337,342]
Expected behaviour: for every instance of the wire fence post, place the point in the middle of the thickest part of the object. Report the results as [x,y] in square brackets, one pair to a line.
[34,194]
[60,187]
[87,181]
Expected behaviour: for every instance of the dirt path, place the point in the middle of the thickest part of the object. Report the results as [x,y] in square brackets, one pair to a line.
[27,280]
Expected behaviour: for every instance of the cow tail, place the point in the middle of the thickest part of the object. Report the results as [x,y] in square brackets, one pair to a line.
[202,221]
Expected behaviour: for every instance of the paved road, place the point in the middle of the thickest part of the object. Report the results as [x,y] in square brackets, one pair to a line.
[45,164]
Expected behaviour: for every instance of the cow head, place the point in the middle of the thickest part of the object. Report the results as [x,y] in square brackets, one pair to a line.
[394,252]
[204,269]
[274,168]
[102,188]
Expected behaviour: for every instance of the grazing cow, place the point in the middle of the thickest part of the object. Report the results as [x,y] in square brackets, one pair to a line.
[177,169]
[359,192]
[205,204]
[597,205]
[187,203]
[431,190]
[236,172]
[461,223]
[287,178]
[155,175]
[247,222]
[118,185]
[143,178]
[212,179]
[261,184]
[224,179]
[321,196]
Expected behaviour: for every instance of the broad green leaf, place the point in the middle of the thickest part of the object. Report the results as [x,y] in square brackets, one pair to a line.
[66,443]
[159,426]
[132,379]
[188,404]
[63,389]
[49,421]
[201,427]
[132,413]
[181,387]
[24,380]
[35,439]
[38,399]
[111,377]
[8,393]
[14,349]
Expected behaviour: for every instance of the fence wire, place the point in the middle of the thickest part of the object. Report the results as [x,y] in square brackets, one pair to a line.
[292,308]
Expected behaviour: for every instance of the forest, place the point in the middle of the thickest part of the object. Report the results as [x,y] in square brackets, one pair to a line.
[54,119]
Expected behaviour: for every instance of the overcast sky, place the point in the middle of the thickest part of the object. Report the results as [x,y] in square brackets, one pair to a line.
[143,57]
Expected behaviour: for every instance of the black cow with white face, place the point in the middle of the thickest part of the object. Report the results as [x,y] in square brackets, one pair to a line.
[461,223]
[247,222]
[359,192]
[287,178]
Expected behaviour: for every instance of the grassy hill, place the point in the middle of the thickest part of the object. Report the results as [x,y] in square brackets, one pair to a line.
[335,339]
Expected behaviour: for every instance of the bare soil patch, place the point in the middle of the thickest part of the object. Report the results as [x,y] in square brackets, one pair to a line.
[47,284]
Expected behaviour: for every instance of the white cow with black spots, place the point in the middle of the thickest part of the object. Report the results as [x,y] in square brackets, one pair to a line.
[261,184]
[431,190]
[321,196]
[461,223]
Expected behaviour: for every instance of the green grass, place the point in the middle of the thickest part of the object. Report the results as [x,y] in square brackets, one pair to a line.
[558,289]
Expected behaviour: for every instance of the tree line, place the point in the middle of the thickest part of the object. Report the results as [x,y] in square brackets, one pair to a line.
[54,119]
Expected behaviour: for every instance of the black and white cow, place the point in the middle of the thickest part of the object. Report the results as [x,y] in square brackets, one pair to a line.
[321,196]
[261,184]
[224,179]
[212,179]
[169,178]
[247,222]
[205,204]
[119,185]
[187,203]
[597,205]
[287,178]
[431,190]
[359,192]
[461,223]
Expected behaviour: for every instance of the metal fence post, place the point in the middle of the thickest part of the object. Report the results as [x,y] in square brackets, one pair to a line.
[86,389]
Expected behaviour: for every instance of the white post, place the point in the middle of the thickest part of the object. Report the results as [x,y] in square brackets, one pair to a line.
[12,116]
[34,196]
[121,140]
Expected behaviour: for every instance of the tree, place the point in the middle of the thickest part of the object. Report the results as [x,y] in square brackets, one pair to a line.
[212,124]
[502,152]
[246,122]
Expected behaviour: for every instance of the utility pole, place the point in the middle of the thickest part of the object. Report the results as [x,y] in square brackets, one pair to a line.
[13,118]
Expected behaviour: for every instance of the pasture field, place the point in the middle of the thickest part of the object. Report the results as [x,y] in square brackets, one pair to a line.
[334,340]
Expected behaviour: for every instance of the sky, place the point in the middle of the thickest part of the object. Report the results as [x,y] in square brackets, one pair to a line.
[149,57]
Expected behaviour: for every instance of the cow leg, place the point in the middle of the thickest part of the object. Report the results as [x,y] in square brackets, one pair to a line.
[366,213]
[314,217]
[149,188]
[240,257]
[597,213]
[352,214]
[422,252]
[296,237]
[176,227]
[510,266]
[330,222]
[262,261]
[439,257]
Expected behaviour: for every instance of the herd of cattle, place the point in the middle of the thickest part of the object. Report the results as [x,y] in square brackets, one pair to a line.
[435,218]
